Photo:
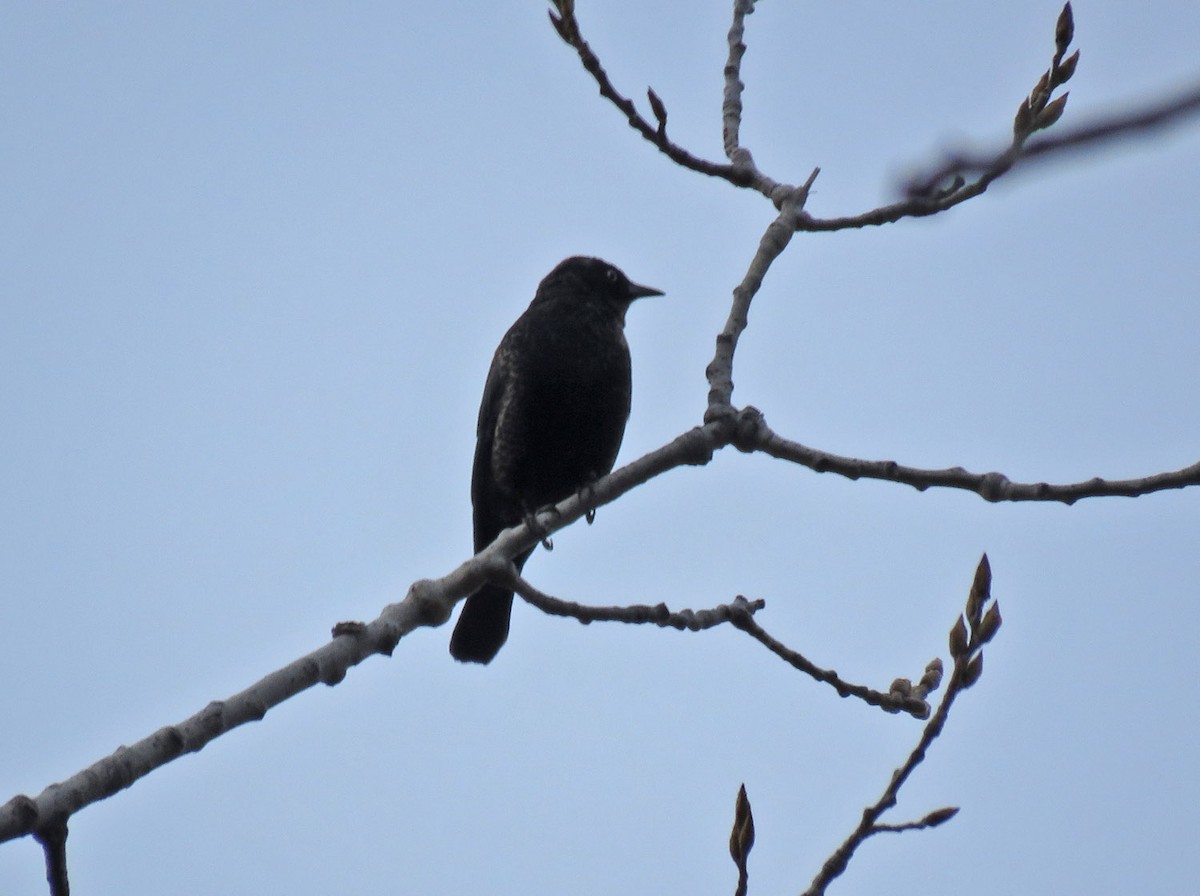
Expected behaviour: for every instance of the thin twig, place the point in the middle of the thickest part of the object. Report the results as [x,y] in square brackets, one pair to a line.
[637,614]
[53,837]
[740,613]
[895,701]
[967,657]
[926,196]
[731,106]
[568,29]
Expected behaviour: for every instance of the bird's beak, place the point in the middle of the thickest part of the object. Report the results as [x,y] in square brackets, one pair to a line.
[637,291]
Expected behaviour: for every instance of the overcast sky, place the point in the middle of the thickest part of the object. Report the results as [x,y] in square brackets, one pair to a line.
[256,258]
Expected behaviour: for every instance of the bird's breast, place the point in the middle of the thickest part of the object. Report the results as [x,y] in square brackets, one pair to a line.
[566,407]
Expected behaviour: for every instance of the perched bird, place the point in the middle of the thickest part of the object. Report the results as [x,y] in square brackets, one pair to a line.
[553,413]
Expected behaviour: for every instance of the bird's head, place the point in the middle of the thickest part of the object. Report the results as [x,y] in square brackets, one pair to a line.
[594,280]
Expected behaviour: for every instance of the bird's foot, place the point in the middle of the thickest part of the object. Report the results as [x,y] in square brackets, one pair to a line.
[587,494]
[530,520]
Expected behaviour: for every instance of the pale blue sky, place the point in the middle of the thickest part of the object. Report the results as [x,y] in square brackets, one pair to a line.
[256,261]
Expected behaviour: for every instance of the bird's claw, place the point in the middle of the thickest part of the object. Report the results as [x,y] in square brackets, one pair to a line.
[587,494]
[538,529]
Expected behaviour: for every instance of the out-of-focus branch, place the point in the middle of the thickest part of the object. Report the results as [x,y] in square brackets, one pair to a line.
[1037,111]
[1140,118]
[928,195]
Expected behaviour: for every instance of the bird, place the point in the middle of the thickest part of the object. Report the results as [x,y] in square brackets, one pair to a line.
[553,413]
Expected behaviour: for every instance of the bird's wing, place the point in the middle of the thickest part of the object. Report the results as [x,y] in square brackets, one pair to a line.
[487,496]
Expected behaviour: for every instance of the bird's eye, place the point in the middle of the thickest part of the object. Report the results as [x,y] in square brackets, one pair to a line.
[611,275]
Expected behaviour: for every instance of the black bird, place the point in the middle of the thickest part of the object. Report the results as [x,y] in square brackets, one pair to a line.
[553,413]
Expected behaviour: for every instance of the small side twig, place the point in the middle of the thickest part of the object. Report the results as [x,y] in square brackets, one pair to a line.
[567,27]
[932,820]
[636,614]
[731,105]
[53,837]
[929,195]
[900,698]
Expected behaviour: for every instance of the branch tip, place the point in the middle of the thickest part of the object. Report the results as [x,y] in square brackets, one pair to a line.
[1064,30]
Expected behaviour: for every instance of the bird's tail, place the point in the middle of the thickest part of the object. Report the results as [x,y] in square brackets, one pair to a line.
[482,627]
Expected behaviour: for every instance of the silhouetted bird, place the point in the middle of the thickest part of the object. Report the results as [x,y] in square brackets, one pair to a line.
[553,413]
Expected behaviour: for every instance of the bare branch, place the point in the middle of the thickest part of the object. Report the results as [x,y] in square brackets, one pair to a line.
[427,603]
[430,602]
[731,107]
[930,195]
[742,172]
[994,487]
[659,614]
[899,699]
[740,612]
[1035,112]
[776,238]
[932,820]
[53,838]
[961,678]
[568,29]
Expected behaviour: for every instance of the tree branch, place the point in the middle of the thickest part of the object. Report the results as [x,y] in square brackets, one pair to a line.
[637,614]
[427,603]
[966,650]
[430,602]
[776,238]
[1146,116]
[731,106]
[1038,111]
[994,487]
[568,29]
[53,837]
[903,697]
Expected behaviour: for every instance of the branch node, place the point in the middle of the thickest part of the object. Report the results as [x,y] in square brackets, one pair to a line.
[749,430]
[431,609]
